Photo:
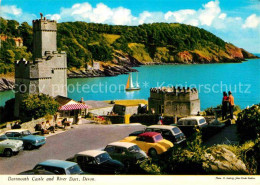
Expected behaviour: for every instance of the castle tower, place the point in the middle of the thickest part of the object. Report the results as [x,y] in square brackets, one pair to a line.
[174,101]
[47,73]
[44,37]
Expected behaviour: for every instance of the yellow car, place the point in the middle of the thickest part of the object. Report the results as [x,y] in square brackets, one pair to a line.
[150,142]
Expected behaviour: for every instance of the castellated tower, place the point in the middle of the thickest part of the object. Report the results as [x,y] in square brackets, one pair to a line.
[174,101]
[47,73]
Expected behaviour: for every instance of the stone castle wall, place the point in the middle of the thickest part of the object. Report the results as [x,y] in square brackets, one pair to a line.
[174,101]
[44,37]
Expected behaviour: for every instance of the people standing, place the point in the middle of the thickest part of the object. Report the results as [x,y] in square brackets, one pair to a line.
[224,105]
[160,122]
[231,104]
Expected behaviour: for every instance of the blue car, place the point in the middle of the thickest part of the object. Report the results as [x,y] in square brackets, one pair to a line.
[59,167]
[29,141]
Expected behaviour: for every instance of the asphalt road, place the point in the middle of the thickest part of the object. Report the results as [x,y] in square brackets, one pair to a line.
[66,144]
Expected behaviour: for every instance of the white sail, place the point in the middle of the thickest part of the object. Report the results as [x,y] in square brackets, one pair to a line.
[137,84]
[131,81]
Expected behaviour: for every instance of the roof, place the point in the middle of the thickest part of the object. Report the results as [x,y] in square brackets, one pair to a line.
[57,163]
[162,126]
[122,144]
[149,134]
[69,104]
[16,130]
[193,117]
[74,106]
[97,104]
[91,153]
[62,100]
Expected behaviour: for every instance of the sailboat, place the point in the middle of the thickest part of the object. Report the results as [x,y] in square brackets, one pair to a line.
[129,84]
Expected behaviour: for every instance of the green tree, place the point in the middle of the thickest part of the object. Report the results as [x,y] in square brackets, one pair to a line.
[9,56]
[3,25]
[37,106]
[26,33]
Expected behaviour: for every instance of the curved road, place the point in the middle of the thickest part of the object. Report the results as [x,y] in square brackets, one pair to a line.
[66,144]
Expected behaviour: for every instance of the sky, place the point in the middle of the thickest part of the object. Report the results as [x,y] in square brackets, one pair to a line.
[235,21]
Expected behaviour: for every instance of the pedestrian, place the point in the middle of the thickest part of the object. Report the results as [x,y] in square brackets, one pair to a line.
[231,104]
[160,122]
[224,105]
[16,125]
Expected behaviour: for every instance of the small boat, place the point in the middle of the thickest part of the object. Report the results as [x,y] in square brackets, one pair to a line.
[129,84]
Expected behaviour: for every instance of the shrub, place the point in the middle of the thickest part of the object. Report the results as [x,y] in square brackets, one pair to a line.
[248,123]
[37,106]
[150,168]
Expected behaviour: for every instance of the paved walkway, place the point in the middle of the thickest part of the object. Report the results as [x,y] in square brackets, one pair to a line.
[228,135]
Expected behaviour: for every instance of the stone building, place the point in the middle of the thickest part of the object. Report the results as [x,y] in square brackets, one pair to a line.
[47,73]
[174,101]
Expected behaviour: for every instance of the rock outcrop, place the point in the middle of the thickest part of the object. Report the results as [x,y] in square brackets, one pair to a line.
[121,64]
[6,85]
[220,160]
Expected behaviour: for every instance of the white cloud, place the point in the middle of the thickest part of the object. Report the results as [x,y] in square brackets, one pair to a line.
[9,11]
[222,16]
[15,13]
[252,21]
[180,16]
[122,16]
[209,13]
[144,16]
[55,17]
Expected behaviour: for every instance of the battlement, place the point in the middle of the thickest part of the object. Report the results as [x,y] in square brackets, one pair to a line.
[174,93]
[44,24]
[172,90]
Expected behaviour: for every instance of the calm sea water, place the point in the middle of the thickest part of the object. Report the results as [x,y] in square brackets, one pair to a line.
[210,79]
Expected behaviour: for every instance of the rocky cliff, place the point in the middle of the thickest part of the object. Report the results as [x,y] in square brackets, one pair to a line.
[6,85]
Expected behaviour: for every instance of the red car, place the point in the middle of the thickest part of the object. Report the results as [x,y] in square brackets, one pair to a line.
[150,142]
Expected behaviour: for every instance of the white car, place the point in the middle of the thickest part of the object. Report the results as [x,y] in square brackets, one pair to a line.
[199,121]
[190,124]
[8,147]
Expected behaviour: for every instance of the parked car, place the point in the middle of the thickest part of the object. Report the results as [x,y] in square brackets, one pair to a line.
[99,162]
[169,132]
[189,124]
[150,142]
[127,153]
[30,141]
[59,167]
[8,147]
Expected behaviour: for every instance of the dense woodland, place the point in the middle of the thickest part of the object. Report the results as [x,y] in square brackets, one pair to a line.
[85,42]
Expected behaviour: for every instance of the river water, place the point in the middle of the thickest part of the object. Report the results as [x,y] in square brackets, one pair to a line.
[210,79]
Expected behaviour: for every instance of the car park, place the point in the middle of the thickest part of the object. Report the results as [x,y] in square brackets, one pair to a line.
[59,167]
[127,153]
[169,132]
[30,141]
[9,147]
[150,142]
[98,162]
